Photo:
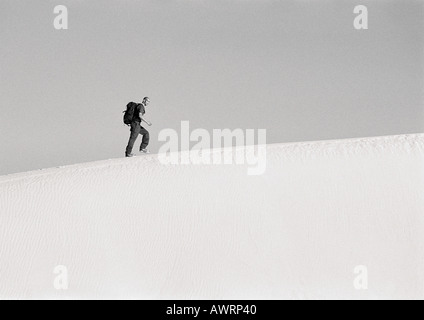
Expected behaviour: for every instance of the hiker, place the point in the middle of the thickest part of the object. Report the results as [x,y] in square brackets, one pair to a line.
[137,110]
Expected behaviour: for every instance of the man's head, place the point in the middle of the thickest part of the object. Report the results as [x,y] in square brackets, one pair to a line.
[146,101]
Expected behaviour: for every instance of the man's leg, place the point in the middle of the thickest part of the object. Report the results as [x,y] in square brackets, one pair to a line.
[133,137]
[146,138]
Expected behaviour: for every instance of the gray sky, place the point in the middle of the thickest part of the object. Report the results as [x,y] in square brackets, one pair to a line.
[296,68]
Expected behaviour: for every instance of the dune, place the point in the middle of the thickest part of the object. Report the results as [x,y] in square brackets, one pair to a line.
[324,217]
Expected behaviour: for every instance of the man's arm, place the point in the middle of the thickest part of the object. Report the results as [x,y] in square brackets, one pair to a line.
[141,110]
[144,120]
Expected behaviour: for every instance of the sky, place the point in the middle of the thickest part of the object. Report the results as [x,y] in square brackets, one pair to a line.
[298,69]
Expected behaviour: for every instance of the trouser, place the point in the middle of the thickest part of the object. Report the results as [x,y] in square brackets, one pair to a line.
[137,129]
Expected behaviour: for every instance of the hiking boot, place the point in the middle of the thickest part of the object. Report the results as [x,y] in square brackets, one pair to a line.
[144,151]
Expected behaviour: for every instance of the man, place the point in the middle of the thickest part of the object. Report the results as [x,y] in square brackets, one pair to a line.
[137,129]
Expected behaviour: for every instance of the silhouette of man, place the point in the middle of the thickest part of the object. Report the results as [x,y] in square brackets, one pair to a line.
[137,129]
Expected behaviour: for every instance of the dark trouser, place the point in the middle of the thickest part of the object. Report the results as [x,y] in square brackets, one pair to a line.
[137,129]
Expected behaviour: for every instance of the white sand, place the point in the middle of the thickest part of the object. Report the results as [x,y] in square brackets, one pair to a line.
[135,228]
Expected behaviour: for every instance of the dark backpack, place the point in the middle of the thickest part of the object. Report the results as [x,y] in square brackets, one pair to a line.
[129,113]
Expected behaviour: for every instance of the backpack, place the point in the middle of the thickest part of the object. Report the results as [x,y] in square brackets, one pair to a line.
[129,113]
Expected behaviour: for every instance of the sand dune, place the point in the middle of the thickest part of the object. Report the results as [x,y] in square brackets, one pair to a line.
[136,228]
